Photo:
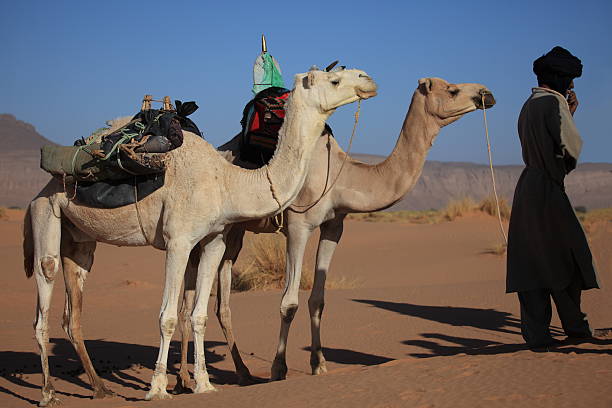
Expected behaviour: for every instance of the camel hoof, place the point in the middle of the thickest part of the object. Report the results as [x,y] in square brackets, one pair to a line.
[50,401]
[104,393]
[279,371]
[204,388]
[159,395]
[321,369]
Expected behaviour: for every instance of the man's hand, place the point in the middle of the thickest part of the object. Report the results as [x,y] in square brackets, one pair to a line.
[572,101]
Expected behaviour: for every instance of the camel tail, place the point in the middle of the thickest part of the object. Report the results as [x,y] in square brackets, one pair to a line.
[28,244]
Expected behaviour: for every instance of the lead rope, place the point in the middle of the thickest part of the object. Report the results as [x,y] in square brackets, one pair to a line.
[501,225]
[326,190]
[279,219]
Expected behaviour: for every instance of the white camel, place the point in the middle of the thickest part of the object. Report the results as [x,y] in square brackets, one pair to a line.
[203,194]
[360,188]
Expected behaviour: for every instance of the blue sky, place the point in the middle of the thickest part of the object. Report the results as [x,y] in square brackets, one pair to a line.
[67,66]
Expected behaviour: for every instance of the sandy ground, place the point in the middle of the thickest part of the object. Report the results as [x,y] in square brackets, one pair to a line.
[428,325]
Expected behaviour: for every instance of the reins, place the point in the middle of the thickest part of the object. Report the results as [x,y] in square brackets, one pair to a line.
[304,208]
[501,225]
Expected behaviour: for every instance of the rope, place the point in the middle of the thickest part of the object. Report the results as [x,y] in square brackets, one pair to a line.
[326,190]
[501,225]
[279,219]
[66,191]
[138,211]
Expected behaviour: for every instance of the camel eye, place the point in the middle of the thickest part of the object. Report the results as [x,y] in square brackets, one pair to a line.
[335,82]
[454,92]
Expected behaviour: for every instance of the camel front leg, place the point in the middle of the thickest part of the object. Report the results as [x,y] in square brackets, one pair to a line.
[212,253]
[191,273]
[297,237]
[177,255]
[224,288]
[77,259]
[331,232]
[45,237]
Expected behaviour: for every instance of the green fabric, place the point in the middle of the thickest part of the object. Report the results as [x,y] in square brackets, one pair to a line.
[77,162]
[266,73]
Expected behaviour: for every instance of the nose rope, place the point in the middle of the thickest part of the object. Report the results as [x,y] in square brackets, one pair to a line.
[303,208]
[484,113]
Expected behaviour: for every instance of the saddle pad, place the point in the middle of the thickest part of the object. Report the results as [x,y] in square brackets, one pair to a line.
[117,193]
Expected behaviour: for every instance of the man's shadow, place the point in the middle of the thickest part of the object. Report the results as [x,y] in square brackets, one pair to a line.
[112,361]
[483,319]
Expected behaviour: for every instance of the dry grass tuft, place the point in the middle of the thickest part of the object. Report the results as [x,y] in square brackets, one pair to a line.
[592,217]
[416,217]
[497,249]
[454,209]
[266,268]
[458,208]
[488,206]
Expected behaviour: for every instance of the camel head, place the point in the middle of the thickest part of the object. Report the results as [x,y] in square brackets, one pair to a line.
[447,102]
[329,90]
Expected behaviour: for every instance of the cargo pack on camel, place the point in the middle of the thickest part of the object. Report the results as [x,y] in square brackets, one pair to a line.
[115,167]
[135,149]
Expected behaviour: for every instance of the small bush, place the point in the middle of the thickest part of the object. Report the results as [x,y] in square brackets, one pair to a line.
[458,208]
[2,213]
[580,209]
[416,217]
[497,249]
[489,206]
[266,269]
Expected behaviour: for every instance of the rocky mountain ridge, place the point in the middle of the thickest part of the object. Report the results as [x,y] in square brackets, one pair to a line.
[590,185]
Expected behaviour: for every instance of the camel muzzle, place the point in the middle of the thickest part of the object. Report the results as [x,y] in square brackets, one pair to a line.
[489,100]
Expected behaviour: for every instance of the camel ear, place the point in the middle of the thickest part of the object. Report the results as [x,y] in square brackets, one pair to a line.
[308,80]
[425,85]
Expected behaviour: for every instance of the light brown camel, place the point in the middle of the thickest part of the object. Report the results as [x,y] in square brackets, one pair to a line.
[203,194]
[360,188]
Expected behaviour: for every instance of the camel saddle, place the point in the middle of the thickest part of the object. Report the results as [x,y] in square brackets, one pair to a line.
[261,121]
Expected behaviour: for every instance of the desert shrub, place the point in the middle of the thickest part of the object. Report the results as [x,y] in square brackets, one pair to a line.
[497,249]
[2,213]
[458,208]
[417,217]
[489,206]
[266,269]
[595,216]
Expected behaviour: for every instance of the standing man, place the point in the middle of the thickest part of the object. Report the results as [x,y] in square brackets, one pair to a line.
[548,253]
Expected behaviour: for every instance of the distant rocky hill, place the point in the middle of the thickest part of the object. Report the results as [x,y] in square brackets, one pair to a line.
[590,185]
[17,135]
[20,174]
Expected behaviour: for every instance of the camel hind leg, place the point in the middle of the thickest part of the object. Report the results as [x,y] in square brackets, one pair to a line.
[77,259]
[45,236]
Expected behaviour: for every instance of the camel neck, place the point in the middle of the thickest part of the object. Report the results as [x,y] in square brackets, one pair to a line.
[391,179]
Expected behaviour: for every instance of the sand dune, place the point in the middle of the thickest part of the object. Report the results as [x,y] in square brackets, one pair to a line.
[428,325]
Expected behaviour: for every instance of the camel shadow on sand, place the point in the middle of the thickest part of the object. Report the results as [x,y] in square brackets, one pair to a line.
[113,361]
[486,320]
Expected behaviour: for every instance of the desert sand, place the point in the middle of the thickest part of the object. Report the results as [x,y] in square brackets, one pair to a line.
[427,325]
